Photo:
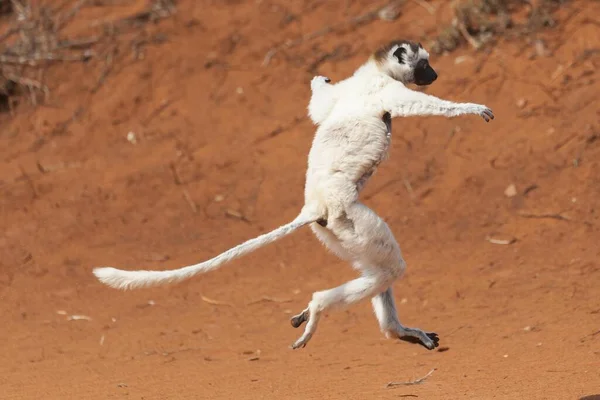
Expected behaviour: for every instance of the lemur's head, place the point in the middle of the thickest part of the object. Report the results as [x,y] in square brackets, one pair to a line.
[405,61]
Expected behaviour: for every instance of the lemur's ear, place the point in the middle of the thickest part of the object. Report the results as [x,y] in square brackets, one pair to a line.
[398,54]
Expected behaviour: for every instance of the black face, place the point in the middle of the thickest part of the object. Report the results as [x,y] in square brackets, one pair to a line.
[424,74]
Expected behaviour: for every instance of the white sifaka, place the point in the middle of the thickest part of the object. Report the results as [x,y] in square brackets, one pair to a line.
[352,138]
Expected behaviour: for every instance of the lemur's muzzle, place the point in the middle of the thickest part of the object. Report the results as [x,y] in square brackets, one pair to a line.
[425,76]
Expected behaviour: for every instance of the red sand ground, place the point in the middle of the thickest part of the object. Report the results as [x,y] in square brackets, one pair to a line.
[519,321]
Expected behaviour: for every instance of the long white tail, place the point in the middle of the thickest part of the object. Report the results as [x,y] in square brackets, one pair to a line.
[120,279]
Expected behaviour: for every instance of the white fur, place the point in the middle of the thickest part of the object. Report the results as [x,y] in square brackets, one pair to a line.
[350,142]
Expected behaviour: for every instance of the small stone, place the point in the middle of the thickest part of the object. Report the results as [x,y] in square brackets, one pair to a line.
[390,12]
[131,138]
[521,103]
[510,191]
[540,48]
[461,59]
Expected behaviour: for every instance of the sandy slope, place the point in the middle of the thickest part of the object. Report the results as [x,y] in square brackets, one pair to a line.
[213,127]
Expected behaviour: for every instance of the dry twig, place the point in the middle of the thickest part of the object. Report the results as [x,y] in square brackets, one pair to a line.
[478,22]
[34,42]
[500,241]
[271,299]
[215,302]
[544,216]
[190,201]
[410,383]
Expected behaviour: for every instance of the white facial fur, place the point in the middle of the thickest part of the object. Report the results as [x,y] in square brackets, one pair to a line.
[399,60]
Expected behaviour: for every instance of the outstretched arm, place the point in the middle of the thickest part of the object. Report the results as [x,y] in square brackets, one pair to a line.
[400,101]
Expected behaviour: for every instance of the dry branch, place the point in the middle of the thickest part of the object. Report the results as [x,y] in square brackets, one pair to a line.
[544,216]
[478,22]
[269,299]
[215,302]
[34,41]
[410,383]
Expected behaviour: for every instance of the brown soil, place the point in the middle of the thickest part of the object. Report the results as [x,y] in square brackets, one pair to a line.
[220,157]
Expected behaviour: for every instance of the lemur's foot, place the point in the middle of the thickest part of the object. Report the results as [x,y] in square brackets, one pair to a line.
[298,320]
[429,340]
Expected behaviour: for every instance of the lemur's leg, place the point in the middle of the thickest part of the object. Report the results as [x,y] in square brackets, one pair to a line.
[403,102]
[385,311]
[367,241]
[344,295]
[334,245]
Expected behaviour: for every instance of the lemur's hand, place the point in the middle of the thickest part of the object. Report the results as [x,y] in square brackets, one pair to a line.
[318,82]
[484,112]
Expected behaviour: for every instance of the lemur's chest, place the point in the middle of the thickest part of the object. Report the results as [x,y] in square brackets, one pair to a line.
[385,145]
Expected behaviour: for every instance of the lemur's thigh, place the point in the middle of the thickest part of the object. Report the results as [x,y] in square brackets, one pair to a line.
[331,241]
[364,235]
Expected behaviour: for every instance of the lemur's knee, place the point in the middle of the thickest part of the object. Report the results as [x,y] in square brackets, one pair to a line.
[398,268]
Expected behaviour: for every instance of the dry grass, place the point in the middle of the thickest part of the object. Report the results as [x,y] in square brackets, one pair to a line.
[32,40]
[481,22]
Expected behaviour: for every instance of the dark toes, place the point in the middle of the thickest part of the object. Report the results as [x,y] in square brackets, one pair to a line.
[431,335]
[434,337]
